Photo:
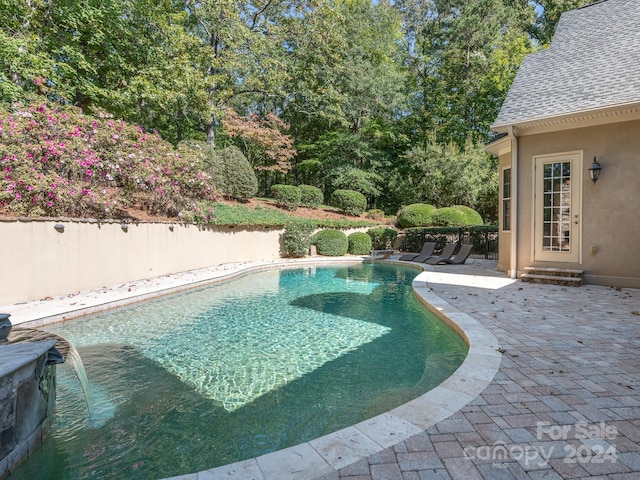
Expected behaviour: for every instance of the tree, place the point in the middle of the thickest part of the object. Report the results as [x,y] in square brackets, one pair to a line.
[445,175]
[460,50]
[545,24]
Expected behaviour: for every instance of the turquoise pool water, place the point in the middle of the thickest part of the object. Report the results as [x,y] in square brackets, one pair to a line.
[242,368]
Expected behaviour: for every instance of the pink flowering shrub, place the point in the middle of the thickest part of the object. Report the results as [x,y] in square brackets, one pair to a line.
[56,161]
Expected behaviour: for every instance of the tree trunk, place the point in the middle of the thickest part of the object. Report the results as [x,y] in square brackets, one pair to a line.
[211,132]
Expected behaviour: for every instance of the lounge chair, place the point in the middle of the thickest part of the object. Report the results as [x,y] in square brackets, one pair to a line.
[427,249]
[447,252]
[460,257]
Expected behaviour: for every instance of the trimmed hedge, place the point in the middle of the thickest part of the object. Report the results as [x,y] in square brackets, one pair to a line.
[359,243]
[330,242]
[310,196]
[382,238]
[286,196]
[297,238]
[448,217]
[415,215]
[471,216]
[349,202]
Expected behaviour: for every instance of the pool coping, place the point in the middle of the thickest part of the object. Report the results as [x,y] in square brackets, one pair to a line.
[327,454]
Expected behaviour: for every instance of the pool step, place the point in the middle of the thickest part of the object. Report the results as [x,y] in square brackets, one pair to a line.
[553,276]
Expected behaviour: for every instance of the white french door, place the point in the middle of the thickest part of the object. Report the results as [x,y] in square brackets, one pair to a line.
[557,207]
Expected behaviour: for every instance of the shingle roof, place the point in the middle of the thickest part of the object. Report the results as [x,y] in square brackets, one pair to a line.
[593,62]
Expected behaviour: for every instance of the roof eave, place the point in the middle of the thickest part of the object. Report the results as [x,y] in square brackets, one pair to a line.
[583,118]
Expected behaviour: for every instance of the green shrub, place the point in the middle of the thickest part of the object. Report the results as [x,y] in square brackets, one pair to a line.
[448,217]
[241,180]
[310,196]
[382,238]
[330,242]
[359,243]
[229,169]
[375,214]
[471,216]
[297,238]
[286,196]
[349,202]
[415,215]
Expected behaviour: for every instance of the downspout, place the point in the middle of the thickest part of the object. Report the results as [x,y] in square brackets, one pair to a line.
[514,203]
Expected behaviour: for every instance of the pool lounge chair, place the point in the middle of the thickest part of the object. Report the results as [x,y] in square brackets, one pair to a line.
[427,249]
[447,252]
[460,257]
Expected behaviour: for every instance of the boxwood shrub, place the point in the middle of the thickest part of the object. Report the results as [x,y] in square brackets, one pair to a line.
[471,216]
[330,242]
[286,196]
[415,215]
[297,237]
[382,238]
[349,202]
[359,243]
[310,196]
[448,217]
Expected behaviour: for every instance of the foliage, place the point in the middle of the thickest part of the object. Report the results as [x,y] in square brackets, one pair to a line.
[349,202]
[286,196]
[310,196]
[266,147]
[229,169]
[415,215]
[391,99]
[240,180]
[471,216]
[359,243]
[240,215]
[375,214]
[446,175]
[330,242]
[382,238]
[448,217]
[297,237]
[57,161]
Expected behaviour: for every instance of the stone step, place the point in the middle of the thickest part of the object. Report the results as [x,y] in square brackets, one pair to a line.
[551,279]
[560,272]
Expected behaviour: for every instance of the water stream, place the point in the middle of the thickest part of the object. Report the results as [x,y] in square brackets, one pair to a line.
[69,352]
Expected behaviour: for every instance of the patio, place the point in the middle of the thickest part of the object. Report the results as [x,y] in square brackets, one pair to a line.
[565,402]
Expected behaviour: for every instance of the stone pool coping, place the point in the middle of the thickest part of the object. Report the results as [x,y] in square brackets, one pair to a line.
[329,453]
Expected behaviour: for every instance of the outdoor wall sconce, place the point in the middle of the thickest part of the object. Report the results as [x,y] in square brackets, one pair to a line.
[59,227]
[171,227]
[594,170]
[125,227]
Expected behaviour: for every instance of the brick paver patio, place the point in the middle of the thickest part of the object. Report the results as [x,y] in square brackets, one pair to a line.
[564,404]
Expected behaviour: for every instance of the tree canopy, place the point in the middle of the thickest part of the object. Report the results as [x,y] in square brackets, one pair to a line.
[391,99]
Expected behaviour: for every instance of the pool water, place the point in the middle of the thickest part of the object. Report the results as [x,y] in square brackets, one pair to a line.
[242,368]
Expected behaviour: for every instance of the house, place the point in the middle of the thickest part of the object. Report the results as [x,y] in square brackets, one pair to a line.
[573,111]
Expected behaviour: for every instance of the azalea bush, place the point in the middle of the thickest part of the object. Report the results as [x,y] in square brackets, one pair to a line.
[56,161]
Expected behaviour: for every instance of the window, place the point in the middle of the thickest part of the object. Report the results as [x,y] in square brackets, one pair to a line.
[506,199]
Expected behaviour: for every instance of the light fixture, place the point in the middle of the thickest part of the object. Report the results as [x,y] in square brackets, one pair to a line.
[594,170]
[125,227]
[171,227]
[59,227]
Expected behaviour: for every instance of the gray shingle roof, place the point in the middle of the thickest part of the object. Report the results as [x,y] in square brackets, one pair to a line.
[593,62]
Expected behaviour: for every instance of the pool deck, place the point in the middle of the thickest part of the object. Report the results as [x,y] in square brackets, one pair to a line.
[550,389]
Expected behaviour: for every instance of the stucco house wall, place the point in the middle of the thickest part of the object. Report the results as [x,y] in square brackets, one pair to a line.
[573,101]
[610,211]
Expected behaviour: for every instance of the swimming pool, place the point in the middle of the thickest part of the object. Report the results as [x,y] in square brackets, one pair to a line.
[242,368]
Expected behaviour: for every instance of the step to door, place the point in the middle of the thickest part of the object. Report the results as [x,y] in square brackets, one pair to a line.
[553,276]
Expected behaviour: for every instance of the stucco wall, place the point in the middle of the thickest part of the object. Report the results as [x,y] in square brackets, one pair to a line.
[610,219]
[38,261]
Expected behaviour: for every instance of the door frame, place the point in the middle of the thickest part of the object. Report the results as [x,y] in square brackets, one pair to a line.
[574,255]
